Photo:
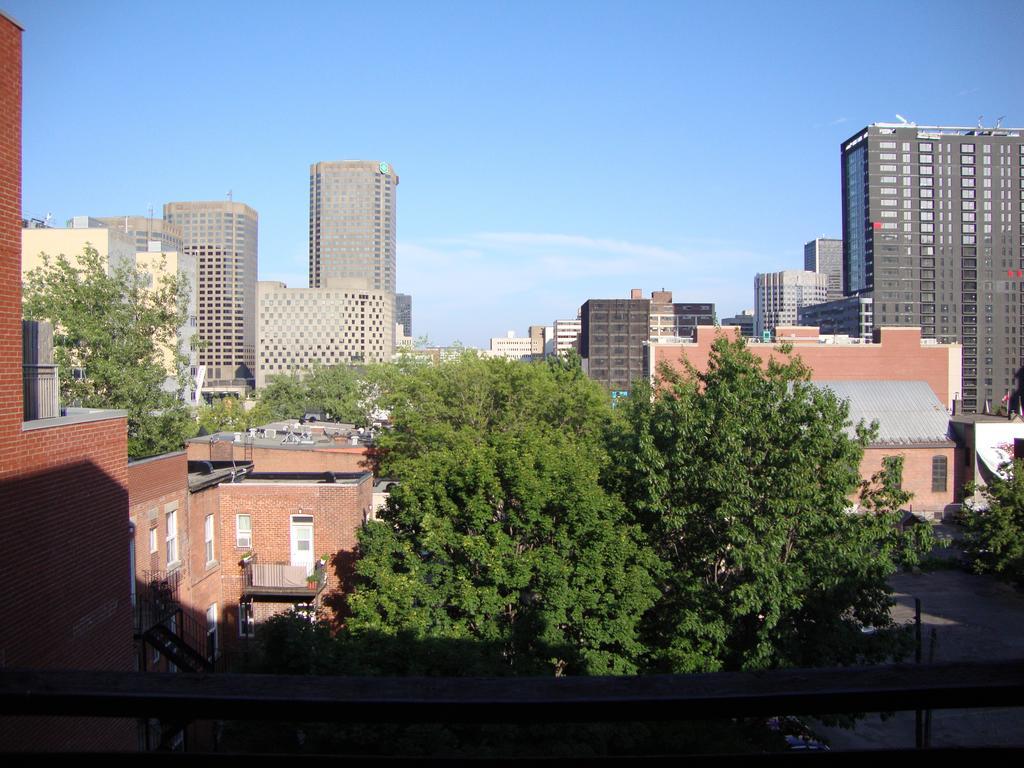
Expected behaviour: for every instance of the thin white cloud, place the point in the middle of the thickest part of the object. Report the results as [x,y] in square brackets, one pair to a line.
[475,286]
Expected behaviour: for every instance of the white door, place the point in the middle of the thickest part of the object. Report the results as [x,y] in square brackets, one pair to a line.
[302,541]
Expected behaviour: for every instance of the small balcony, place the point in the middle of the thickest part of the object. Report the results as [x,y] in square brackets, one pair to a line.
[295,582]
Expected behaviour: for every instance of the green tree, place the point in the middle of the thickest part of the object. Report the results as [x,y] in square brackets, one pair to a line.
[225,414]
[499,531]
[994,526]
[285,396]
[741,477]
[118,328]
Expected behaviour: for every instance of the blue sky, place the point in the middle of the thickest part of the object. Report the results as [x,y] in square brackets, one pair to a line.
[548,152]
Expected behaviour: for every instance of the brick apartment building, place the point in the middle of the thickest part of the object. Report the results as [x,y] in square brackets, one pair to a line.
[224,548]
[932,460]
[64,538]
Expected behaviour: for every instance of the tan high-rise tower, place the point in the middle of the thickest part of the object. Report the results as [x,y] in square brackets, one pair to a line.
[352,223]
[222,236]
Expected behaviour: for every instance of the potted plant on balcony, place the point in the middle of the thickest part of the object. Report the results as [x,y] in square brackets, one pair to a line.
[246,558]
[312,581]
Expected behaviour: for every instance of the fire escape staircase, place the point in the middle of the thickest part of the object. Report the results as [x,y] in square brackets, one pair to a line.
[160,622]
[174,647]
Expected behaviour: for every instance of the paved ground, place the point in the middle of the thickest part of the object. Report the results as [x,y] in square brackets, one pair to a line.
[974,617]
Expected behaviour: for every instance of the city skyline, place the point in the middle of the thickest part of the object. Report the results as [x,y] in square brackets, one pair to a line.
[677,148]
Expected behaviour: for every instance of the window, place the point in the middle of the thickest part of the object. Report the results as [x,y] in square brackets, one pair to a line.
[243,531]
[938,474]
[172,535]
[211,632]
[153,546]
[208,538]
[246,620]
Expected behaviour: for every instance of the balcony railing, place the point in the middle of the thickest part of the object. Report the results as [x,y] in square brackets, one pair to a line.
[295,698]
[282,580]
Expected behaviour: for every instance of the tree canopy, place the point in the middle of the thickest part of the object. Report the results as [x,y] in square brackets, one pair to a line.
[499,531]
[994,526]
[741,476]
[119,329]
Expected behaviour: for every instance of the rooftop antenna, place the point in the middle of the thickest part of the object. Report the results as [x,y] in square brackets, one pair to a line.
[231,197]
[48,219]
[902,119]
[980,117]
[999,122]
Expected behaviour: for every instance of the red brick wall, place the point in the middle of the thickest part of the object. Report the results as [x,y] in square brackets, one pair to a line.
[917,476]
[340,459]
[65,602]
[10,229]
[338,512]
[64,566]
[159,476]
[899,356]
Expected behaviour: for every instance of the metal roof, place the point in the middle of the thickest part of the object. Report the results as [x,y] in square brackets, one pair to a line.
[907,412]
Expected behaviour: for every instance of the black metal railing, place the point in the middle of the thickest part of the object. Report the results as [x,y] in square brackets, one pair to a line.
[294,698]
[156,598]
[282,579]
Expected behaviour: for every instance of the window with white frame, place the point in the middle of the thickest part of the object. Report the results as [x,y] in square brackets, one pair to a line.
[172,535]
[246,620]
[243,531]
[153,544]
[208,538]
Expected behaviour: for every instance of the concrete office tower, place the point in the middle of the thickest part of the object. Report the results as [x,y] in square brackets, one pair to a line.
[352,222]
[567,335]
[342,322]
[150,234]
[222,237]
[743,320]
[932,226]
[403,312]
[851,316]
[778,297]
[825,255]
[615,333]
[512,347]
[542,339]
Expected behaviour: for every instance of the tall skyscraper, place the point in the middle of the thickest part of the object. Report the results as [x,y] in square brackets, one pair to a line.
[352,233]
[778,297]
[825,256]
[932,231]
[403,312]
[222,237]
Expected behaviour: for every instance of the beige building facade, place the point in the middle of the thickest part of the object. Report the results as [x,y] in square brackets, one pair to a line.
[352,228]
[222,237]
[343,322]
[117,249]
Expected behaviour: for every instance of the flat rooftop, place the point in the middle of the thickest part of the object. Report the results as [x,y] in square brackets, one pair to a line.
[295,436]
